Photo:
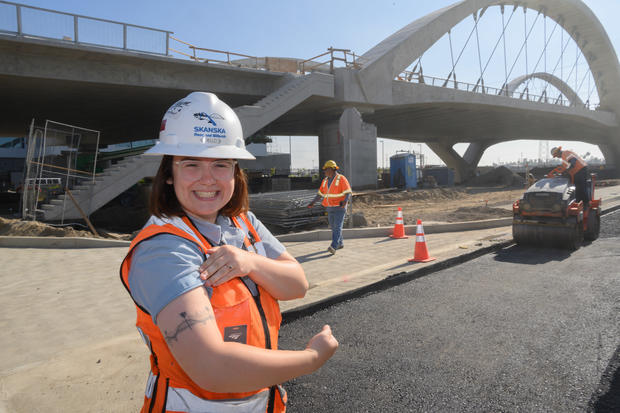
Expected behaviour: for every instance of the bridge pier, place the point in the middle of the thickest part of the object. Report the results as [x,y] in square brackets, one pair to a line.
[353,145]
[611,153]
[464,166]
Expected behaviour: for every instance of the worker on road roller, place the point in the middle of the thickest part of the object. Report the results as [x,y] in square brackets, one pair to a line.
[576,167]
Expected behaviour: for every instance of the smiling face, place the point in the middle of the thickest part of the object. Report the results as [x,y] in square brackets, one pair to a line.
[200,185]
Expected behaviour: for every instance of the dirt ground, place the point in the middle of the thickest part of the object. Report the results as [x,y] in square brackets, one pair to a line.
[436,205]
[17,227]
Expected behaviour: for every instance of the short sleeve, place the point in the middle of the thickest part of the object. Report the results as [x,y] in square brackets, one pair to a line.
[273,247]
[346,181]
[163,268]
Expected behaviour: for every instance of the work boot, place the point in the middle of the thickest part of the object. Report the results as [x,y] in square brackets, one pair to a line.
[339,247]
[331,250]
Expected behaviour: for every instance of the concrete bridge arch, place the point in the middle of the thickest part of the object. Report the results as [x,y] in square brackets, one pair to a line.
[394,54]
[555,81]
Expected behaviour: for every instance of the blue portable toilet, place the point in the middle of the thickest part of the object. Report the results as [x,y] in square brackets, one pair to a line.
[403,171]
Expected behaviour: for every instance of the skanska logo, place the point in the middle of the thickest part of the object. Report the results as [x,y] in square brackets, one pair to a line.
[205,116]
[208,129]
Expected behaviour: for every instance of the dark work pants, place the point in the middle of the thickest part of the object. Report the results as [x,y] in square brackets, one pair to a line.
[581,192]
[335,217]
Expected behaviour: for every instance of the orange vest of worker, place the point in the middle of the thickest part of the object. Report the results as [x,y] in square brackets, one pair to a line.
[236,309]
[567,156]
[336,192]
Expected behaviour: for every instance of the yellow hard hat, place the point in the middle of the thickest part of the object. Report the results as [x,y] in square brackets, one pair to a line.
[330,164]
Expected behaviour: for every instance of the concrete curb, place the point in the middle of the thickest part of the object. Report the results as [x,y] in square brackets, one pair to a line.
[430,228]
[389,282]
[60,242]
[316,235]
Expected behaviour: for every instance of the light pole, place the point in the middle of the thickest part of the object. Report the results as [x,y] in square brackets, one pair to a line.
[382,156]
[421,157]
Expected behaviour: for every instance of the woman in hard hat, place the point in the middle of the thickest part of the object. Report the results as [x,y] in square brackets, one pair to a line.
[336,193]
[206,275]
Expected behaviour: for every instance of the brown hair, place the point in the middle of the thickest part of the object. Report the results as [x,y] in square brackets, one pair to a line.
[164,201]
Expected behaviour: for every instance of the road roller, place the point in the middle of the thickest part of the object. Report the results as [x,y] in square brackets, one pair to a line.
[549,215]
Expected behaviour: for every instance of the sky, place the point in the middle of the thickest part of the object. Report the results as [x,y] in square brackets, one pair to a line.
[285,28]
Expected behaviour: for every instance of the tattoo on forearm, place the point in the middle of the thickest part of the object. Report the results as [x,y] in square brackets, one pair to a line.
[188,321]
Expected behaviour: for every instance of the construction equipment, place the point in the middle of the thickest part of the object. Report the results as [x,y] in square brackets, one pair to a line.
[549,215]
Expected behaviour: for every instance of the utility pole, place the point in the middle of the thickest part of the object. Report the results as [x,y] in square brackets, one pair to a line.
[382,156]
[421,157]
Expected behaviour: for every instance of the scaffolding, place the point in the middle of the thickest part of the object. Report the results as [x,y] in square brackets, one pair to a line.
[59,157]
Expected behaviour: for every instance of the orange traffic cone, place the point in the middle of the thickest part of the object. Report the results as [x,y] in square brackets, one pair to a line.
[421,252]
[399,227]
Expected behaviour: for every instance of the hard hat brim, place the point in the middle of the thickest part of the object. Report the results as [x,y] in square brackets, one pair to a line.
[200,151]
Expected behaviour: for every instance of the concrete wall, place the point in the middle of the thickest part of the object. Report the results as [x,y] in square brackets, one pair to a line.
[353,145]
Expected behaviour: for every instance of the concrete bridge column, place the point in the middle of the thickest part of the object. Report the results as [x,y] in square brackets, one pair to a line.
[353,145]
[465,166]
[611,153]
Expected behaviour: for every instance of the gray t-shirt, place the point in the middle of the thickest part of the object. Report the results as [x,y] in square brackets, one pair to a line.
[166,266]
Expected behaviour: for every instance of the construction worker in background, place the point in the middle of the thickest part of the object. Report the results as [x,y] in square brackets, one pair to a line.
[576,167]
[336,193]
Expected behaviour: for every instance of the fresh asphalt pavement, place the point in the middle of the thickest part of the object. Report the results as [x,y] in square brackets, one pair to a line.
[522,329]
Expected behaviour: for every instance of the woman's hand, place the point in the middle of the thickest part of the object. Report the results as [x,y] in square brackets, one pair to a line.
[225,263]
[324,344]
[282,277]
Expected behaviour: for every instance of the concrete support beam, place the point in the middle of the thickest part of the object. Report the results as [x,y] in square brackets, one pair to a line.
[611,152]
[465,166]
[462,168]
[353,145]
[474,152]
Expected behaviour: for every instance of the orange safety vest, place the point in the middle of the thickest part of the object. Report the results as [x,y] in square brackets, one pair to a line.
[237,310]
[336,192]
[567,156]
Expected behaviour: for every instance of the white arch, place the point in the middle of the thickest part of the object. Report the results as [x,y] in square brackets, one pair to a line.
[555,81]
[390,57]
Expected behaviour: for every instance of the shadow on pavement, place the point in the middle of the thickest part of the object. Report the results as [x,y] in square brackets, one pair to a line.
[313,256]
[530,255]
[606,397]
[386,240]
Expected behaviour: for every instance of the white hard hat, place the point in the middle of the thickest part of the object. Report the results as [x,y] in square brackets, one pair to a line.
[200,125]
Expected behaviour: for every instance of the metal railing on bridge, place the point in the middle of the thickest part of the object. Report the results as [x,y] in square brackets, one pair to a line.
[35,22]
[325,62]
[336,56]
[205,55]
[418,77]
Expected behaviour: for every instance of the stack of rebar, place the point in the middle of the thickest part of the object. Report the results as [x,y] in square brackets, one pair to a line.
[287,210]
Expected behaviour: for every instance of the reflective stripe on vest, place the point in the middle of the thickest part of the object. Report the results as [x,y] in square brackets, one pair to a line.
[181,400]
[336,192]
[235,307]
[572,170]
